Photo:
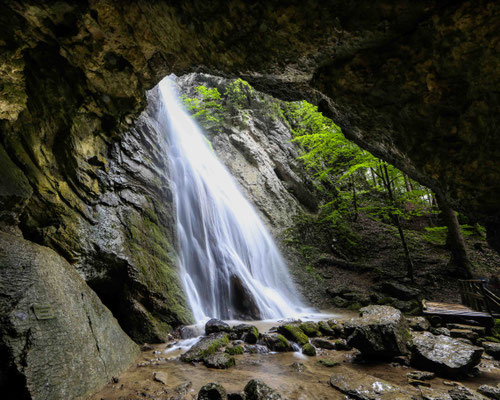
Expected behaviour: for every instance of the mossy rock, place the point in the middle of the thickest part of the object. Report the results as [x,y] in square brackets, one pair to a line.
[205,347]
[325,329]
[234,350]
[294,333]
[327,363]
[310,328]
[219,361]
[309,350]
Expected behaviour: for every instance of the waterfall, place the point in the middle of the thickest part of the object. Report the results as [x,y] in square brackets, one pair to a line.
[229,265]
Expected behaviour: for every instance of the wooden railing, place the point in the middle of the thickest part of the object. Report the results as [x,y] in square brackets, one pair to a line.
[475,295]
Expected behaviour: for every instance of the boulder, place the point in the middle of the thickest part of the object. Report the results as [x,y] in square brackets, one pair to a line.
[443,354]
[310,328]
[212,391]
[492,348]
[493,392]
[323,344]
[309,350]
[216,325]
[418,323]
[206,346]
[460,392]
[337,326]
[256,389]
[238,349]
[362,386]
[256,349]
[219,361]
[382,331]
[161,377]
[293,333]
[275,342]
[325,329]
[57,340]
[245,332]
[434,394]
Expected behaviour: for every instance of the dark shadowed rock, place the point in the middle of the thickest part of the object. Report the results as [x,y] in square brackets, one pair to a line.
[493,392]
[382,331]
[398,290]
[219,361]
[275,342]
[443,354]
[212,391]
[256,389]
[464,393]
[323,344]
[492,348]
[216,325]
[242,301]
[245,332]
[366,387]
[418,323]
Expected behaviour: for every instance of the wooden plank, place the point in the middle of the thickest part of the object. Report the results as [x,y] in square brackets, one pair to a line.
[451,309]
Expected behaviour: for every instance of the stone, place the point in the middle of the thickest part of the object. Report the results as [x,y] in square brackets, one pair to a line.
[443,354]
[212,391]
[248,333]
[492,348]
[493,392]
[328,363]
[70,355]
[216,325]
[337,326]
[398,290]
[464,334]
[418,382]
[256,389]
[323,344]
[480,330]
[325,329]
[421,375]
[434,394]
[460,392]
[362,386]
[418,323]
[219,361]
[310,328]
[206,346]
[238,349]
[256,349]
[382,331]
[341,344]
[161,377]
[275,342]
[298,367]
[309,350]
[293,333]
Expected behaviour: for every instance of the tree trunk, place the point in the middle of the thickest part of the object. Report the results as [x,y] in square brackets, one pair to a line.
[455,240]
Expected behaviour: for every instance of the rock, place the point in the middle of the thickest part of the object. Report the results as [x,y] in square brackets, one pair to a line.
[188,332]
[492,348]
[418,323]
[323,344]
[421,375]
[238,349]
[298,367]
[248,333]
[434,394]
[256,349]
[362,386]
[212,391]
[256,389]
[275,342]
[309,350]
[398,290]
[381,332]
[161,377]
[480,330]
[418,382]
[243,303]
[464,393]
[147,347]
[493,392]
[440,331]
[216,325]
[325,329]
[337,326]
[293,333]
[443,355]
[236,396]
[206,346]
[465,334]
[328,363]
[310,328]
[57,339]
[341,344]
[219,361]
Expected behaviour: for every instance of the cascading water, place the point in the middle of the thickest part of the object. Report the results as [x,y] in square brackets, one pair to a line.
[229,264]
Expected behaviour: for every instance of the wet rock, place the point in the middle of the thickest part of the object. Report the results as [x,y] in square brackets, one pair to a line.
[293,333]
[219,361]
[480,330]
[434,394]
[216,325]
[328,363]
[418,382]
[464,393]
[256,389]
[212,391]
[493,392]
[206,346]
[443,354]
[236,396]
[341,344]
[464,334]
[310,328]
[418,323]
[382,331]
[256,349]
[242,301]
[337,326]
[325,329]
[238,349]
[366,387]
[492,348]
[323,344]
[57,340]
[188,332]
[275,342]
[248,333]
[421,375]
[161,377]
[440,331]
[298,367]
[309,350]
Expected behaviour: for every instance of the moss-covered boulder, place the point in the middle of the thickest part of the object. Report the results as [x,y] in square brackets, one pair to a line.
[212,391]
[309,350]
[310,328]
[234,350]
[276,342]
[207,345]
[293,333]
[256,389]
[219,361]
[248,333]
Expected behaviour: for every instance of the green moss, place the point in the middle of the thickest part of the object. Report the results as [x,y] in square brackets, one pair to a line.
[294,333]
[234,350]
[281,344]
[492,339]
[309,350]
[252,335]
[311,329]
[327,363]
[354,306]
[495,331]
[205,348]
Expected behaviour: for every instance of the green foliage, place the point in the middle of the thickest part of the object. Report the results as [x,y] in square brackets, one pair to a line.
[238,93]
[207,108]
[436,235]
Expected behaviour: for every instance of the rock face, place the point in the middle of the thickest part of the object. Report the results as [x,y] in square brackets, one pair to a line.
[382,331]
[256,389]
[409,81]
[57,340]
[443,354]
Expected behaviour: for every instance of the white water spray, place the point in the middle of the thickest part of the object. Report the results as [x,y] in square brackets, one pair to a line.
[229,264]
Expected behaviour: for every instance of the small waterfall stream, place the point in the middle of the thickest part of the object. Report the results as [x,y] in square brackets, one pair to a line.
[229,264]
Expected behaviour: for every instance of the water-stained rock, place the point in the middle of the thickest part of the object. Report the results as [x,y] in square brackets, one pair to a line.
[492,348]
[206,346]
[256,389]
[382,331]
[219,361]
[443,354]
[216,325]
[276,342]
